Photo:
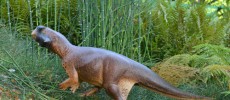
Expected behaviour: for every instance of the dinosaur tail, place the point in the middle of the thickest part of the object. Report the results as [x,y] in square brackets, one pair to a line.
[157,84]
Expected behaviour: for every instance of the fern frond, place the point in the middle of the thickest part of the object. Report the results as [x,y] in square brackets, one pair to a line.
[208,50]
[178,74]
[221,72]
[199,61]
[182,60]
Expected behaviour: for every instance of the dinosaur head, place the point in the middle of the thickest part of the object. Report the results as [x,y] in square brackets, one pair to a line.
[41,37]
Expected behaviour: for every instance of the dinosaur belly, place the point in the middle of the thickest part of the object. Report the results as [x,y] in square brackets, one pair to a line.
[92,75]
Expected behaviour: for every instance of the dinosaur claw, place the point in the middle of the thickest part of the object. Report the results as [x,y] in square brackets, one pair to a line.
[74,88]
[62,86]
[82,95]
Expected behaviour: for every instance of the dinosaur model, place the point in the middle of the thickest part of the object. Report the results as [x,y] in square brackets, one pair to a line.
[116,73]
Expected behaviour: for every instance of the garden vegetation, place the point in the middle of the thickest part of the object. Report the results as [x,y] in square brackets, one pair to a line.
[179,39]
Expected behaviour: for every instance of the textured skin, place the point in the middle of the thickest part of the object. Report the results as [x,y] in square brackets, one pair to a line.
[103,68]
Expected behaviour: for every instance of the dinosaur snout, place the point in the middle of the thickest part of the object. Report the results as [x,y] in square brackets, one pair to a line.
[34,34]
[40,37]
[37,31]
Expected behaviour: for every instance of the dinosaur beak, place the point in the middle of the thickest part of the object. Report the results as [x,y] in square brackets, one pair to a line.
[43,39]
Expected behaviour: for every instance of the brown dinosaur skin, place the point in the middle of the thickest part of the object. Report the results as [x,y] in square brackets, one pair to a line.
[103,68]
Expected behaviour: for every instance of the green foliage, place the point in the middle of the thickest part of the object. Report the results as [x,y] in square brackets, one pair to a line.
[181,60]
[144,30]
[16,77]
[203,55]
[212,60]
[177,28]
[148,29]
[179,74]
[214,51]
[216,72]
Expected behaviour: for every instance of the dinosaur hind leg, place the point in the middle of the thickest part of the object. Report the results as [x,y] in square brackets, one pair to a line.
[90,92]
[113,91]
[121,90]
[125,85]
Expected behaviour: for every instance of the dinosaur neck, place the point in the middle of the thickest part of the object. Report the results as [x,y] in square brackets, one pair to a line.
[62,49]
[61,46]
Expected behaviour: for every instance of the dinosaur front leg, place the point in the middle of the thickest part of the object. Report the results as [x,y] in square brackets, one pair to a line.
[72,81]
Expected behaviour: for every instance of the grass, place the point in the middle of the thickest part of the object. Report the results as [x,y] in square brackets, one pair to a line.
[39,79]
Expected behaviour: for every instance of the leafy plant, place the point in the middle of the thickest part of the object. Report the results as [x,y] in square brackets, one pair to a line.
[214,51]
[151,30]
[212,60]
[216,72]
[178,27]
[145,30]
